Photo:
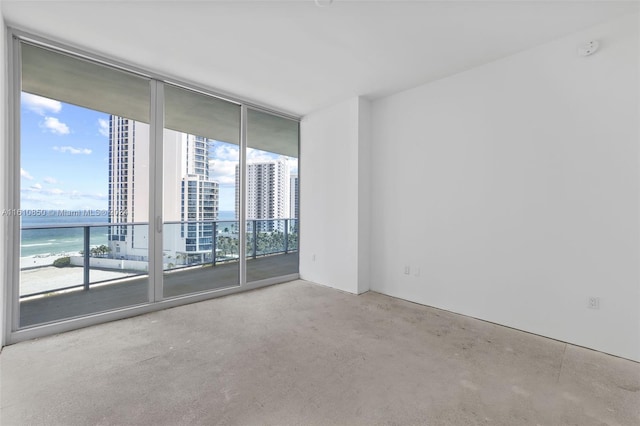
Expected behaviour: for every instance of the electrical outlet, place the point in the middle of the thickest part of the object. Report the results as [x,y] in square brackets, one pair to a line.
[594,303]
[407,270]
[313,257]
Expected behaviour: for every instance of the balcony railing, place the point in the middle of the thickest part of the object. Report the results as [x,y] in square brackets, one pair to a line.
[119,250]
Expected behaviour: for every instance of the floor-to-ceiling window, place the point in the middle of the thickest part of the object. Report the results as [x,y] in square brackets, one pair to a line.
[272,196]
[201,153]
[134,191]
[84,144]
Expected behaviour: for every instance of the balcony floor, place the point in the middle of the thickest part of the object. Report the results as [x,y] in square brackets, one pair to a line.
[134,291]
[304,354]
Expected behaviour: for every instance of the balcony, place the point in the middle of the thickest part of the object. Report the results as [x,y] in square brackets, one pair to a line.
[96,273]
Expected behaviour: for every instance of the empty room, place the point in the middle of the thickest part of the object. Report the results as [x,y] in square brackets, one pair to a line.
[320,212]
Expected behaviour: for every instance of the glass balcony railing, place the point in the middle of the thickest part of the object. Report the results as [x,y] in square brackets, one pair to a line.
[265,237]
[60,258]
[56,258]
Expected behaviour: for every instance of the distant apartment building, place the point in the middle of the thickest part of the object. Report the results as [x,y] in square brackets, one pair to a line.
[294,204]
[128,141]
[189,193]
[268,193]
[199,198]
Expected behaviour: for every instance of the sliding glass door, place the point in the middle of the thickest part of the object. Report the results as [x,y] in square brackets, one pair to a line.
[200,233]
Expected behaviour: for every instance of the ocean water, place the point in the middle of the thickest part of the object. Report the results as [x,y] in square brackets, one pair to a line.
[49,241]
[52,241]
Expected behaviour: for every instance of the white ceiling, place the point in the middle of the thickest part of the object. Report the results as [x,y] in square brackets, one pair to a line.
[297,57]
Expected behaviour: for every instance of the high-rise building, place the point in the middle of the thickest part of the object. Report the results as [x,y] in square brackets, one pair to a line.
[190,195]
[268,193]
[128,188]
[295,197]
[200,198]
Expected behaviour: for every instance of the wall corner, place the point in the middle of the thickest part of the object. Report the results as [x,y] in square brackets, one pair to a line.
[364,195]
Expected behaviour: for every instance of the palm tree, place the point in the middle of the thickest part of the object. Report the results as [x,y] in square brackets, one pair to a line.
[103,250]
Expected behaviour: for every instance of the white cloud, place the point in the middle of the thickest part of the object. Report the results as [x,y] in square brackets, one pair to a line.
[40,105]
[225,152]
[50,180]
[56,198]
[72,150]
[96,196]
[222,166]
[223,171]
[54,191]
[77,195]
[28,197]
[25,174]
[257,156]
[103,127]
[36,187]
[293,165]
[55,126]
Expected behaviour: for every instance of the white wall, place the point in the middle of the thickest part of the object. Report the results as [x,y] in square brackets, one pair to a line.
[113,264]
[3,173]
[334,214]
[512,191]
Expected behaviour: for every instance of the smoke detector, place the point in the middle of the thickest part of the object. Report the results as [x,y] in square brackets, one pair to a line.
[589,48]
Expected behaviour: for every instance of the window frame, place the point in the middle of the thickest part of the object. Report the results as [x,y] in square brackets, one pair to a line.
[11,281]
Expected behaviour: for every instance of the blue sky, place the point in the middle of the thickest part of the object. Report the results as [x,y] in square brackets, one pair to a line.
[65,151]
[64,155]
